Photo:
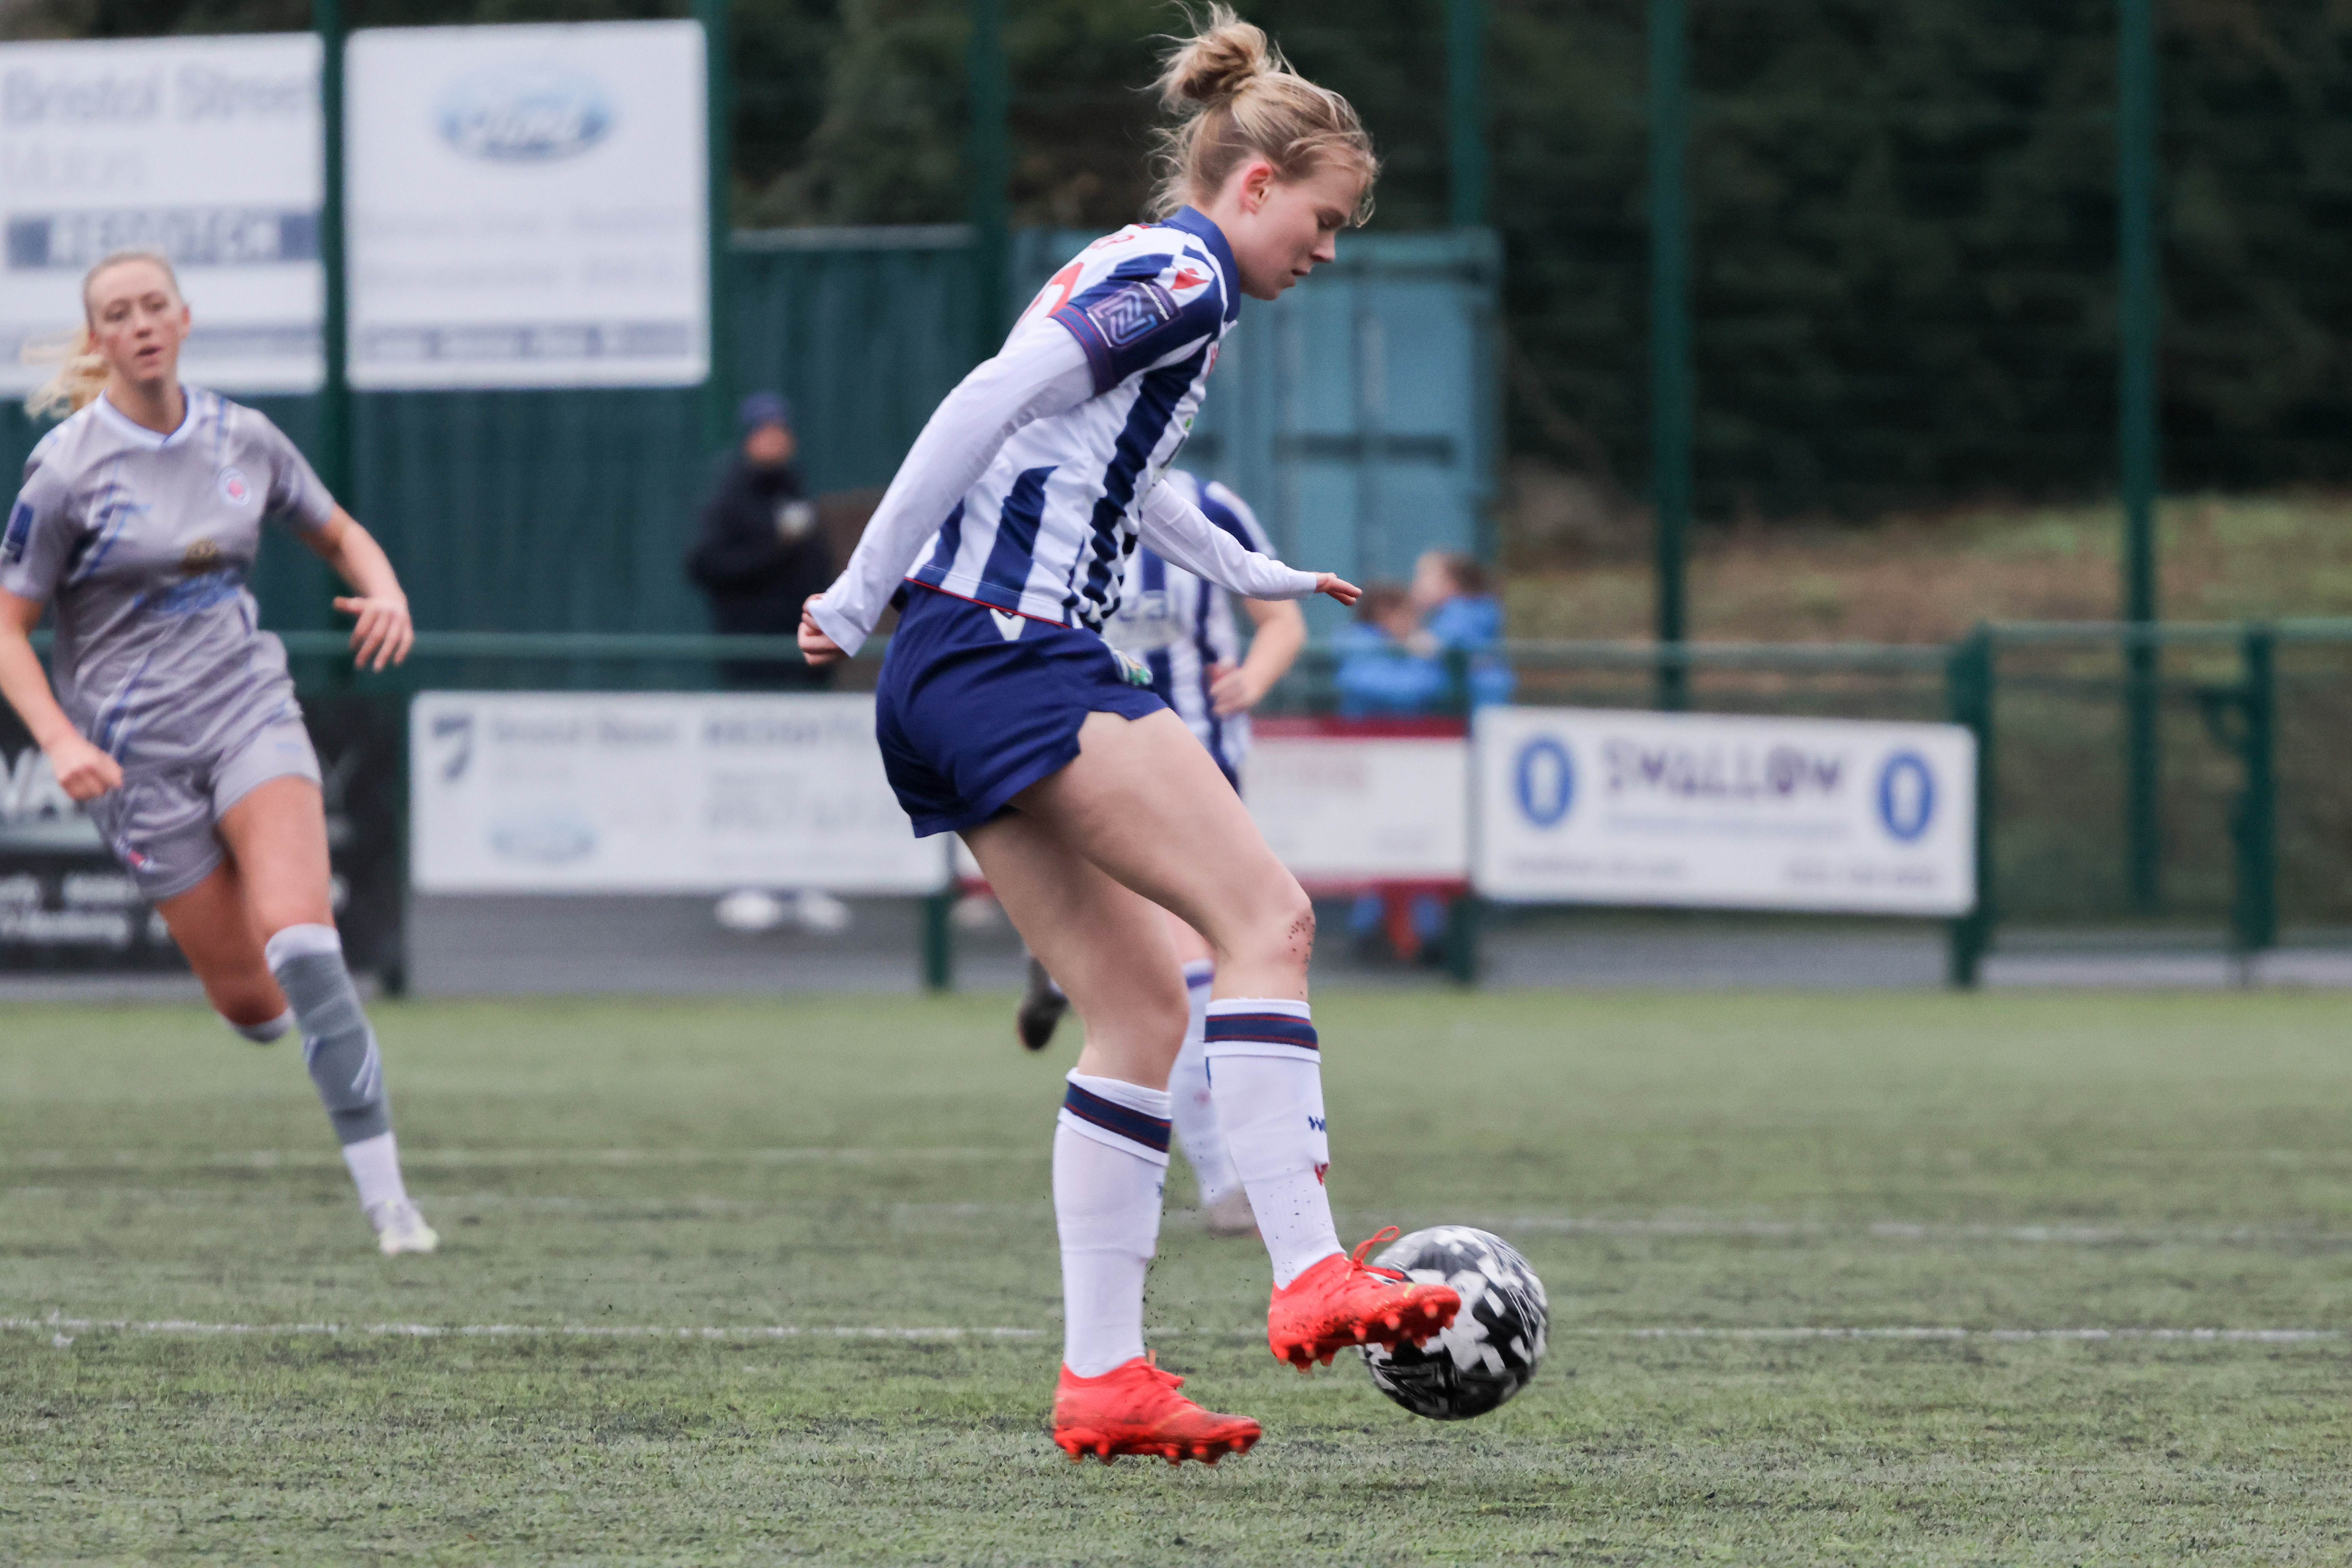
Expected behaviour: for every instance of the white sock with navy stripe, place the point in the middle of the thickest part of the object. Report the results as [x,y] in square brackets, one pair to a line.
[1110,1161]
[1266,1076]
[1190,1105]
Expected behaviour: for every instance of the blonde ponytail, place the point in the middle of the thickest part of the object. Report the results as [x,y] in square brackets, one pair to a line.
[1236,99]
[81,373]
[81,370]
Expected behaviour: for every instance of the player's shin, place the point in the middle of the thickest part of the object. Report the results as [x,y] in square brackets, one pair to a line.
[1111,1163]
[339,1048]
[1265,1075]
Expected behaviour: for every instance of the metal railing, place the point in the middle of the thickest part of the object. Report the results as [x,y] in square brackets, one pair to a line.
[2229,679]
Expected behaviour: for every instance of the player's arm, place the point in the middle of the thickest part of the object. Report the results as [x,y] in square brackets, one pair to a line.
[1042,371]
[385,632]
[83,770]
[1274,647]
[1174,527]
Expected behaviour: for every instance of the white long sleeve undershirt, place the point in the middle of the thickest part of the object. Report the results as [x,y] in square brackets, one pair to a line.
[1042,371]
[1179,532]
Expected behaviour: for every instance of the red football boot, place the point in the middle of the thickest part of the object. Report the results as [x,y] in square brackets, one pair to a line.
[1134,1409]
[1342,1301]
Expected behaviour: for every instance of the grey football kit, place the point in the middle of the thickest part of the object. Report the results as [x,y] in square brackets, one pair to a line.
[143,541]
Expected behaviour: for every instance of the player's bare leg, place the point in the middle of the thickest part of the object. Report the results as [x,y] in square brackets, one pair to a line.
[212,923]
[1144,804]
[1111,950]
[284,936]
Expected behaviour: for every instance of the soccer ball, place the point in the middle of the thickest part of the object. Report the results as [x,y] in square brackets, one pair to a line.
[1490,1351]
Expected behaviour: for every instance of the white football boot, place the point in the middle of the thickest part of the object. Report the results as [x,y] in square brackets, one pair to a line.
[399,1229]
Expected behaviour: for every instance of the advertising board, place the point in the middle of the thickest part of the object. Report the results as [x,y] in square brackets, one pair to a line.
[528,205]
[1606,807]
[666,793]
[205,149]
[66,904]
[1350,804]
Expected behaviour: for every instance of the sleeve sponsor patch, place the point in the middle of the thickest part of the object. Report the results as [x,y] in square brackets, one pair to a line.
[1132,313]
[20,528]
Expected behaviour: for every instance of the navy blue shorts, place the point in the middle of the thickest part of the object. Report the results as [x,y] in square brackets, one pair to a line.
[975,705]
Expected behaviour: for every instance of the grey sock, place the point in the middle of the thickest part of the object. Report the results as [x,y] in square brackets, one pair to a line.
[337,1044]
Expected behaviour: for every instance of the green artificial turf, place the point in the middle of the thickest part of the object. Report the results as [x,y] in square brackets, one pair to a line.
[613,1179]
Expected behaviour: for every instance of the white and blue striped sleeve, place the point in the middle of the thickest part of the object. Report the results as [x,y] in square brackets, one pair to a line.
[1039,373]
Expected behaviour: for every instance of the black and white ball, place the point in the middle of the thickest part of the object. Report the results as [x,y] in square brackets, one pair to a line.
[1494,1342]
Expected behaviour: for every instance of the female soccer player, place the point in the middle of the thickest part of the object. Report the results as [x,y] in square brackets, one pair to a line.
[1004,716]
[173,720]
[1182,629]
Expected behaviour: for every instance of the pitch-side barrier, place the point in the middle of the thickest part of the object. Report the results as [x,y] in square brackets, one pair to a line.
[2253,810]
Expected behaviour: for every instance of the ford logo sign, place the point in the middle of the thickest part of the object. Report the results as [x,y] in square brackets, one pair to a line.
[524,113]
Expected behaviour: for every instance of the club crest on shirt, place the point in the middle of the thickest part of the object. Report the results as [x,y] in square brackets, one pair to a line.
[234,488]
[201,556]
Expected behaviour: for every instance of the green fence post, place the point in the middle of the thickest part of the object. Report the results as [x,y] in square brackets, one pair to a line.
[1968,674]
[1466,111]
[2253,907]
[2138,309]
[939,939]
[988,166]
[718,141]
[1463,918]
[1670,328]
[335,389]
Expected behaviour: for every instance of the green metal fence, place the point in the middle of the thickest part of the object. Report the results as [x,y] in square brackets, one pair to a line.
[2256,806]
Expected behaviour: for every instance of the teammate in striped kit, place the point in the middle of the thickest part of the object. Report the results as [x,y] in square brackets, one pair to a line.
[173,719]
[1005,717]
[1182,629]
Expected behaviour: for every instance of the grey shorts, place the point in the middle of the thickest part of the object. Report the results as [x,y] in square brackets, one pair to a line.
[161,827]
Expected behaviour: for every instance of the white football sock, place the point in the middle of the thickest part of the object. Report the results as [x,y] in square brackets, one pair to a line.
[1267,1074]
[1110,1161]
[1194,1111]
[375,1169]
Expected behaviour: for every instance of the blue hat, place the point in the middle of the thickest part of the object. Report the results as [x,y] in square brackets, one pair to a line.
[765,408]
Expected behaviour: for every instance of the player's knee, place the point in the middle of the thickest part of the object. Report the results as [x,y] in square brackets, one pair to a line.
[249,1002]
[1281,932]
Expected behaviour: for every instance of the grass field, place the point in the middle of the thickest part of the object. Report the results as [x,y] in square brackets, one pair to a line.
[632,1194]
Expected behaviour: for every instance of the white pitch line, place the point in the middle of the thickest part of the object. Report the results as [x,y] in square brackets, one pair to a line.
[2058,1233]
[57,1324]
[178,1326]
[2221,1336]
[463,1159]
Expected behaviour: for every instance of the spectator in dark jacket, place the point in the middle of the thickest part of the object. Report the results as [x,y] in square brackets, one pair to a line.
[760,553]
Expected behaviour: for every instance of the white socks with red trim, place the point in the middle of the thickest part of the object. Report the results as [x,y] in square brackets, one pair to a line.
[1266,1076]
[1191,1105]
[1110,1161]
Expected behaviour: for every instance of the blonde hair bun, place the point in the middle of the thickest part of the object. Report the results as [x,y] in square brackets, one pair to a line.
[1216,66]
[1235,97]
